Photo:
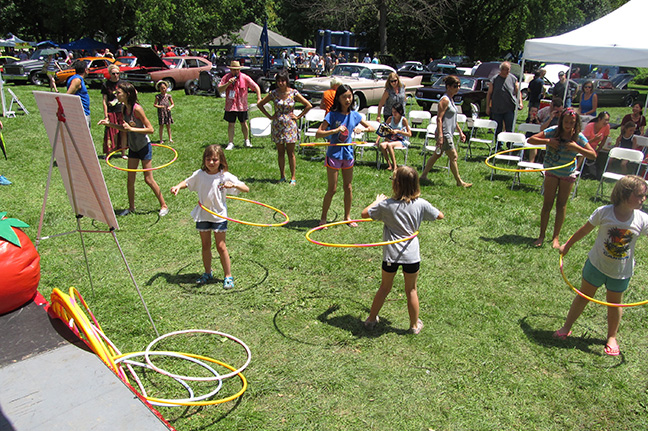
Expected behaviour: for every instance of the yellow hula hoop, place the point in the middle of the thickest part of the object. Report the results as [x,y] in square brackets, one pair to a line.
[489,158]
[374,244]
[589,298]
[199,403]
[175,157]
[247,222]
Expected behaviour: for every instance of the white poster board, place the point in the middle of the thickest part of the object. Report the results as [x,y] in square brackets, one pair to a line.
[76,156]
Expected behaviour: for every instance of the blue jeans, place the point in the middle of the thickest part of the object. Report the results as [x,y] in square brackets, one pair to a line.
[504,121]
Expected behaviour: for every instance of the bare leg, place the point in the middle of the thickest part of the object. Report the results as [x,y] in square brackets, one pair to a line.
[347,177]
[230,131]
[281,159]
[392,155]
[578,305]
[564,189]
[148,178]
[130,184]
[454,168]
[292,160]
[550,188]
[219,237]
[205,239]
[385,287]
[246,130]
[168,127]
[332,176]
[161,131]
[614,318]
[383,150]
[412,298]
[429,165]
[123,139]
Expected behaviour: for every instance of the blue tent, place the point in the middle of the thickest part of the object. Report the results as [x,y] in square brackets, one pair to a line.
[88,44]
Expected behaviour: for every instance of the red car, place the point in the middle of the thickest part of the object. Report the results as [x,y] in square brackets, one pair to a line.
[95,65]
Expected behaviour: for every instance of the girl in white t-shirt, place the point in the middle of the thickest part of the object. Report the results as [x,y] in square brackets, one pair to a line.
[611,260]
[212,182]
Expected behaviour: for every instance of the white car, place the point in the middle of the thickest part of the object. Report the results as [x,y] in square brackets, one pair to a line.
[366,79]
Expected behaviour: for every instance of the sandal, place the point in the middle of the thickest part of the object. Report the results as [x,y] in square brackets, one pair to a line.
[228,283]
[205,278]
[293,182]
[370,325]
[560,335]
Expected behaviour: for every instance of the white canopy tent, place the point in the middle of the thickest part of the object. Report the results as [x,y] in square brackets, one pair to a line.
[617,39]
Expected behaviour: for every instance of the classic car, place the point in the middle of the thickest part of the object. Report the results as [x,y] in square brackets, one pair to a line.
[95,65]
[97,77]
[6,59]
[366,79]
[30,70]
[473,90]
[175,70]
[610,92]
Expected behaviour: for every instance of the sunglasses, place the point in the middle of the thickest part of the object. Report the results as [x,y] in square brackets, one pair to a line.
[393,80]
[456,85]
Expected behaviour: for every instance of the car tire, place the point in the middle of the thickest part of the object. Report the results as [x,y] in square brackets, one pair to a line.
[35,79]
[425,105]
[525,94]
[171,84]
[628,100]
[263,85]
[358,101]
[190,87]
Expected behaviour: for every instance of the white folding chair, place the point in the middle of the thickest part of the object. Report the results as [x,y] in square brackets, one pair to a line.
[619,154]
[517,140]
[417,121]
[370,141]
[529,128]
[481,125]
[260,126]
[372,110]
[311,123]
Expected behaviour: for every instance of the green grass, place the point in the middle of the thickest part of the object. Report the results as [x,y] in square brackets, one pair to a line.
[485,359]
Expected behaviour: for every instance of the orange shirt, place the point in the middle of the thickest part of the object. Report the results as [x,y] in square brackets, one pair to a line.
[327,99]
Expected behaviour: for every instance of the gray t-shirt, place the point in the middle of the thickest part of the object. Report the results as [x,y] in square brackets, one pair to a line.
[503,96]
[401,220]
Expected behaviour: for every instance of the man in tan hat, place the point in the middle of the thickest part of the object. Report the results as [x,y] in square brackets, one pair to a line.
[235,85]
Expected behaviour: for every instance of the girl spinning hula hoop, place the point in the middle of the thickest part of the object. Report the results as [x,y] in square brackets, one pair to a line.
[489,158]
[563,143]
[611,260]
[175,157]
[401,214]
[212,181]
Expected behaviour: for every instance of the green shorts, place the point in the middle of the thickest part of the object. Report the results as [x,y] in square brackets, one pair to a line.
[596,278]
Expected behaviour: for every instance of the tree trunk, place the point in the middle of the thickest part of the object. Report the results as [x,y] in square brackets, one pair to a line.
[382,25]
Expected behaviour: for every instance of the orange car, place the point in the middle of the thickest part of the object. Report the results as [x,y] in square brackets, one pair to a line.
[95,64]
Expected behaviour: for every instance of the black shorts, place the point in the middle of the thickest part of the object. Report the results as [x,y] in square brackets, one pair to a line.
[408,268]
[231,116]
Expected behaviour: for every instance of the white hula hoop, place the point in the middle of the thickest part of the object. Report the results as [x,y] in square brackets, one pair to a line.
[198,331]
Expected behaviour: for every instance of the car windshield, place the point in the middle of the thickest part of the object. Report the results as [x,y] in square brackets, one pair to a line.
[466,83]
[347,70]
[127,61]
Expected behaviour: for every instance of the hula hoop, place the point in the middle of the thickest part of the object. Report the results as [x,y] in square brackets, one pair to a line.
[327,144]
[247,222]
[589,298]
[489,158]
[175,157]
[374,244]
[198,379]
[179,355]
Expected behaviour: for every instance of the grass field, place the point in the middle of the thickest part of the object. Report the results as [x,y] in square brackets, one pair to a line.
[490,302]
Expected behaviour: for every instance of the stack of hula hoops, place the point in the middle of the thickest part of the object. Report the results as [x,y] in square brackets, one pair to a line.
[74,311]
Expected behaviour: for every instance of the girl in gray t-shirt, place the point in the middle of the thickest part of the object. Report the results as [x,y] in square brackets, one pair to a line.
[402,215]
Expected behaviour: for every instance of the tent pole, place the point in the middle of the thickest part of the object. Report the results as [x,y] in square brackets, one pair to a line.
[519,93]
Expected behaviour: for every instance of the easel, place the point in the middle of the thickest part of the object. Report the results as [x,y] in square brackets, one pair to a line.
[81,174]
[10,113]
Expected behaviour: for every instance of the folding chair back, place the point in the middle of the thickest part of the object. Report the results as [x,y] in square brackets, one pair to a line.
[516,140]
[372,110]
[419,118]
[480,124]
[311,119]
[529,128]
[619,154]
[260,126]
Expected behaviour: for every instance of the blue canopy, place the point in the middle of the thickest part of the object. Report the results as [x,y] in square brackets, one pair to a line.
[87,43]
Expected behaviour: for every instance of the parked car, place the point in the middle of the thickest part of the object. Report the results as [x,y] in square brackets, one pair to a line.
[411,69]
[96,77]
[95,65]
[473,90]
[6,59]
[610,92]
[175,70]
[366,79]
[29,70]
